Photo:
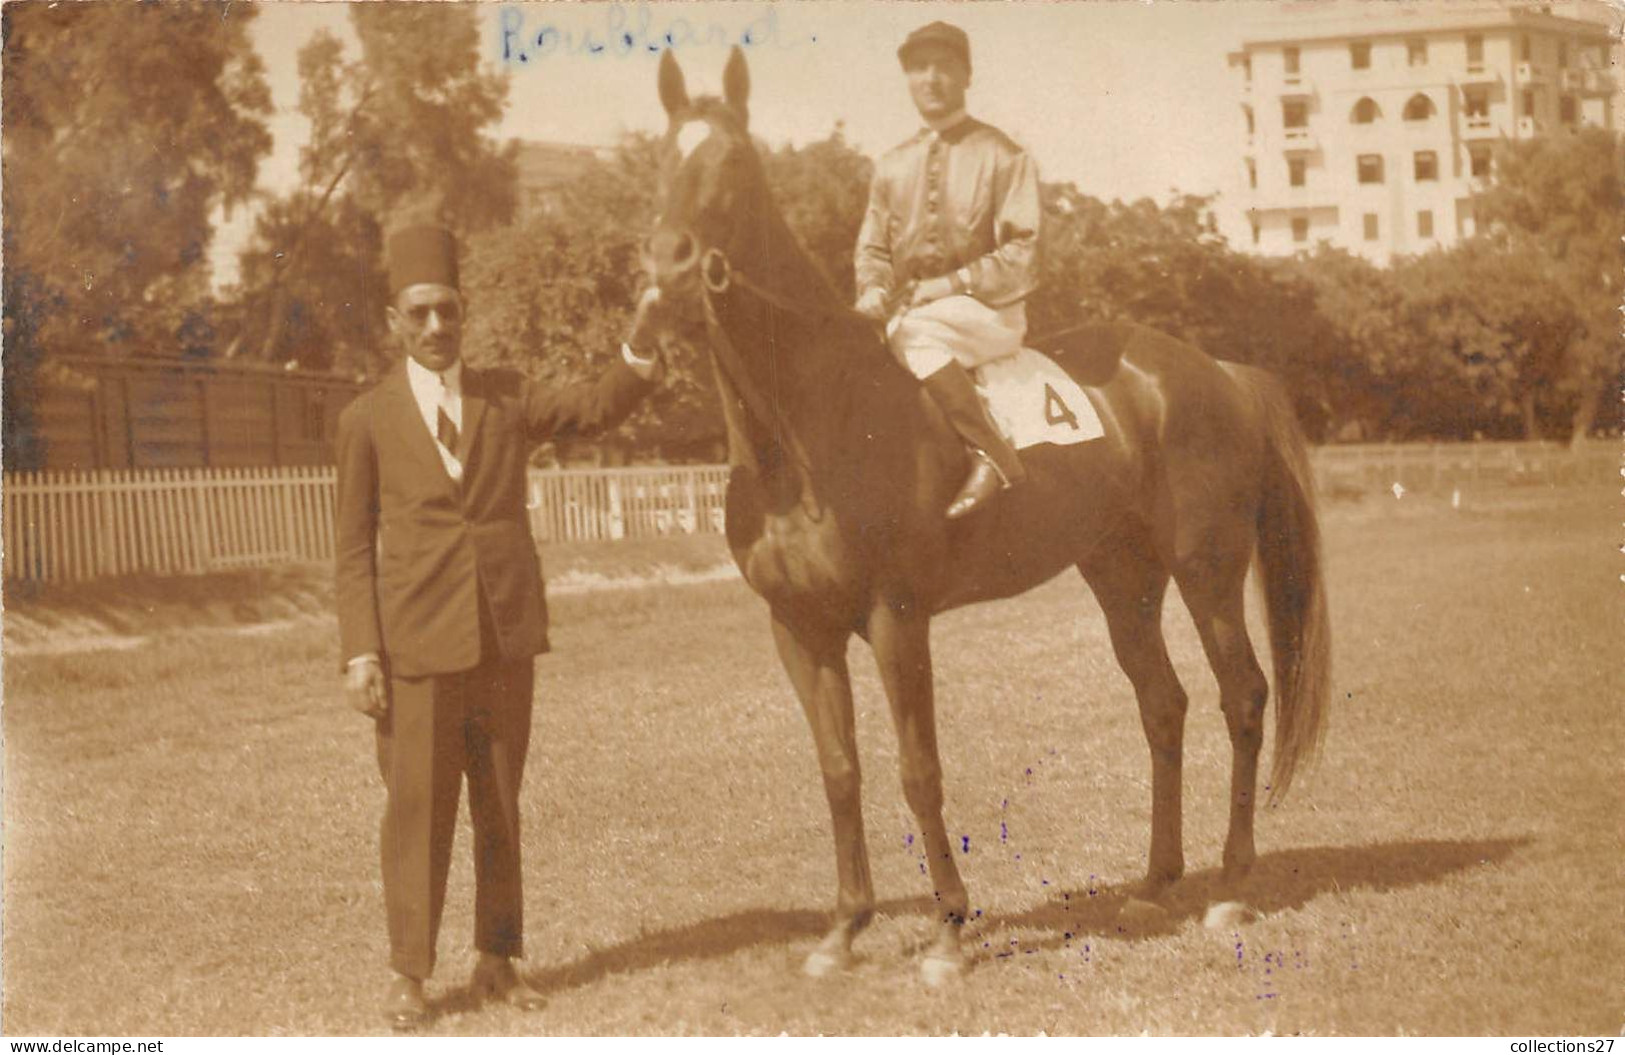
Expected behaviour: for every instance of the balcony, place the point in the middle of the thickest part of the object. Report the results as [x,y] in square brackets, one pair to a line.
[1587,82]
[1532,73]
[1296,86]
[1480,126]
[1478,74]
[1299,141]
[1529,127]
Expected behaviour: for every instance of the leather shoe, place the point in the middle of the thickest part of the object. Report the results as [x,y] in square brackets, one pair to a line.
[983,483]
[404,1006]
[495,980]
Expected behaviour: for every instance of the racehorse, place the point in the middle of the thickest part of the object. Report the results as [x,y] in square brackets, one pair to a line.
[842,470]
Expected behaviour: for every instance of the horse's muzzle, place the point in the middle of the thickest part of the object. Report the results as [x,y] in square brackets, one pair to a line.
[672,257]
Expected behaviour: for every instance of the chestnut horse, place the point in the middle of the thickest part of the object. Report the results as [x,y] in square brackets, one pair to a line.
[842,470]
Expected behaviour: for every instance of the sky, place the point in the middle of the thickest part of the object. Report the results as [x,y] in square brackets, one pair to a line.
[1125,98]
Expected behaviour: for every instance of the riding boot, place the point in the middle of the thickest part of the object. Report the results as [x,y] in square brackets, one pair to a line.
[995,465]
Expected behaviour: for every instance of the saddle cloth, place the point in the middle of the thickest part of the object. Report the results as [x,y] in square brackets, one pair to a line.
[1034,401]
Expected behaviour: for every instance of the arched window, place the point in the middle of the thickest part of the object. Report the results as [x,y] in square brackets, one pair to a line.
[1365,112]
[1420,108]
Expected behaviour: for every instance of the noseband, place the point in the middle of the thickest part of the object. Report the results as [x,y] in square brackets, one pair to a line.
[716,273]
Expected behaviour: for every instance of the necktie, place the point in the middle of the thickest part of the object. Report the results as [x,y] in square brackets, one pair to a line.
[445,430]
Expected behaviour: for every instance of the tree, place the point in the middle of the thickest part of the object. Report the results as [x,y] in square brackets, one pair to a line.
[126,127]
[1557,200]
[404,124]
[1482,331]
[554,295]
[1165,267]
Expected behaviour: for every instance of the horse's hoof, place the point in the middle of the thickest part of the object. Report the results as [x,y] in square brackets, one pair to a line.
[1139,914]
[940,969]
[1228,915]
[821,963]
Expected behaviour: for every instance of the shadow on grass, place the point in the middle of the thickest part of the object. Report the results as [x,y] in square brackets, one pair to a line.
[1284,880]
[702,940]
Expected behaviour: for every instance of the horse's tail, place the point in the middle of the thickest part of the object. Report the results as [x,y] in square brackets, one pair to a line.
[1294,584]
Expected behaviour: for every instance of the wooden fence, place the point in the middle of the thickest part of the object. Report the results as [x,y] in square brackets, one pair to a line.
[75,526]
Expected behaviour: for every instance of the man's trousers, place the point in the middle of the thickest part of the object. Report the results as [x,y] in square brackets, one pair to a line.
[439,728]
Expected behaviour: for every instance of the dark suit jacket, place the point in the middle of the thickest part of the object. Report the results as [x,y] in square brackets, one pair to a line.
[417,550]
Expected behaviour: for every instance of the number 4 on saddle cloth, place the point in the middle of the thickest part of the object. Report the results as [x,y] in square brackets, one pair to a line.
[1029,396]
[1034,401]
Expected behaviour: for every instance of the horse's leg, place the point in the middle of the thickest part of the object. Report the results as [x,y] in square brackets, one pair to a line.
[1214,588]
[1130,582]
[901,638]
[815,659]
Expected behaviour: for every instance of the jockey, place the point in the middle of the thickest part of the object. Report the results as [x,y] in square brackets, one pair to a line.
[950,243]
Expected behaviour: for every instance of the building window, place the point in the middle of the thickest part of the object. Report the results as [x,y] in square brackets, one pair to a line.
[1369,168]
[1416,52]
[1419,108]
[1300,228]
[1295,172]
[1257,234]
[1563,54]
[1427,166]
[1371,227]
[1294,114]
[1289,56]
[1475,106]
[1529,102]
[1479,160]
[1248,111]
[1525,49]
[1252,174]
[1424,223]
[1566,110]
[1365,112]
[1475,51]
[1360,55]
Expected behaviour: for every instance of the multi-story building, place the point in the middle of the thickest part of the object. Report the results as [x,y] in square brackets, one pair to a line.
[1369,126]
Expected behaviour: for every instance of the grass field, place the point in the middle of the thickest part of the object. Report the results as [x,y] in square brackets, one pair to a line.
[190,825]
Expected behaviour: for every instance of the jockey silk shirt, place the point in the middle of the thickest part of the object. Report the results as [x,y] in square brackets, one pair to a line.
[963,199]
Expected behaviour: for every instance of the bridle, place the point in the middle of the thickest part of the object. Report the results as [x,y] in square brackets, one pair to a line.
[718,280]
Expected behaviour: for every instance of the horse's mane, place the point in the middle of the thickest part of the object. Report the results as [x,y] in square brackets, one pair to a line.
[783,244]
[828,345]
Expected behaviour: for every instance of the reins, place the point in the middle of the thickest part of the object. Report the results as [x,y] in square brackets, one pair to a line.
[732,364]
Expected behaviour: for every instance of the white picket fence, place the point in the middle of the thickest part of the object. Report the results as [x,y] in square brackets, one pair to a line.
[76,526]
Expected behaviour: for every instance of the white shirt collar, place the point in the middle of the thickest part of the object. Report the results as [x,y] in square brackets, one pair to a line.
[942,124]
[422,377]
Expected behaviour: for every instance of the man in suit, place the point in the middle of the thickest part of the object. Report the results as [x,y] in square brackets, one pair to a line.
[948,249]
[441,605]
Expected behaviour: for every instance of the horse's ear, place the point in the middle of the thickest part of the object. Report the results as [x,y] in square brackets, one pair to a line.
[736,82]
[673,94]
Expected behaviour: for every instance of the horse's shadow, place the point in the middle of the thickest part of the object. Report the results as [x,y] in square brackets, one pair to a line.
[1283,880]
[1287,879]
